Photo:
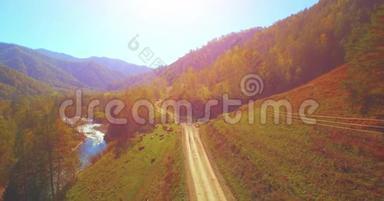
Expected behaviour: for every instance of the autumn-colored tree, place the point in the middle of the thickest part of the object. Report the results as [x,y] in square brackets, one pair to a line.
[366,60]
[44,158]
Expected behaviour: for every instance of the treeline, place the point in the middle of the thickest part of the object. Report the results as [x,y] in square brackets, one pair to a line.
[38,159]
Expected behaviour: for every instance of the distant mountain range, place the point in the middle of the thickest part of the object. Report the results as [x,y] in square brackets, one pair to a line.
[118,65]
[60,71]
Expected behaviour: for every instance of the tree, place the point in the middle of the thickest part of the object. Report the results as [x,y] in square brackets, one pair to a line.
[366,60]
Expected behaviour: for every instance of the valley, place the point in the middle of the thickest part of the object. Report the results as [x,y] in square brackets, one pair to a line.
[289,111]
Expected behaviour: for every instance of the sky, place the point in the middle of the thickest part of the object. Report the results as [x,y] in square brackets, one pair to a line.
[166,28]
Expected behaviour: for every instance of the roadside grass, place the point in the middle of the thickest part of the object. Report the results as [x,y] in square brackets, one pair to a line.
[150,169]
[2,189]
[299,162]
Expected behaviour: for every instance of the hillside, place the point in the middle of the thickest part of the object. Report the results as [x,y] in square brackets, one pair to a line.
[198,59]
[287,54]
[63,71]
[301,161]
[14,83]
[150,169]
[205,56]
[118,65]
[35,65]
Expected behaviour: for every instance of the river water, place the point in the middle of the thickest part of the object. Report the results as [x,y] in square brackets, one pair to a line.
[93,145]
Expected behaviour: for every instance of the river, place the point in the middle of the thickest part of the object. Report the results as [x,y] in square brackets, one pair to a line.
[93,145]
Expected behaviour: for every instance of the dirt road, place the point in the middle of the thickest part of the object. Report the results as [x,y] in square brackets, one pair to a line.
[205,183]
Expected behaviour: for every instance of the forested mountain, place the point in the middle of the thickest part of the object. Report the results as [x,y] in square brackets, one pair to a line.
[14,83]
[197,59]
[335,158]
[64,71]
[340,158]
[287,54]
[56,55]
[118,65]
[35,65]
[206,55]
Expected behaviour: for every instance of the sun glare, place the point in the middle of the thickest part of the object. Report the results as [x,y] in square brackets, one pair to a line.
[174,10]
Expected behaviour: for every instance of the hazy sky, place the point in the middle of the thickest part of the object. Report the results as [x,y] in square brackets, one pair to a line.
[170,28]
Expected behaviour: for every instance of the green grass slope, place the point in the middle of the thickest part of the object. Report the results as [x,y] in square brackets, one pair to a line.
[298,161]
[151,169]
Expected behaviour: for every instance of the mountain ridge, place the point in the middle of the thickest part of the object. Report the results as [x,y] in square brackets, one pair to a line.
[63,71]
[113,64]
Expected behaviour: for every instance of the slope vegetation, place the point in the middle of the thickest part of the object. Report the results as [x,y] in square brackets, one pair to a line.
[13,83]
[301,161]
[205,56]
[150,169]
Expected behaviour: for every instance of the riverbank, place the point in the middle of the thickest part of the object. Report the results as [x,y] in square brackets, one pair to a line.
[93,143]
[151,168]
